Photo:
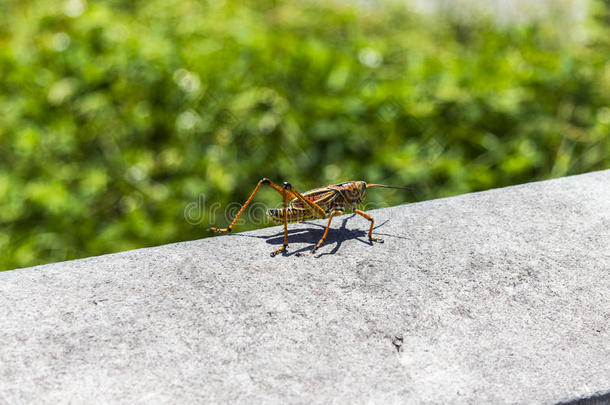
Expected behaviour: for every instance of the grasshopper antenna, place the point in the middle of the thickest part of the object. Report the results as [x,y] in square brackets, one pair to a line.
[384,186]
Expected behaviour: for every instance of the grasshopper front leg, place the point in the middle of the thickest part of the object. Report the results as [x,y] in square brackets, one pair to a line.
[370,218]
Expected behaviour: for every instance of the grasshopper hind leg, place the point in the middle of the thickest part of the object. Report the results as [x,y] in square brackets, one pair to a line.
[285,245]
[282,190]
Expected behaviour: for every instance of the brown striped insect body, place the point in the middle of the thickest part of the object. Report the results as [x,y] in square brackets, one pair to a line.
[323,202]
[333,197]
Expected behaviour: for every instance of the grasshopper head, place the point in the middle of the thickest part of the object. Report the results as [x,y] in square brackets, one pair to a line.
[357,191]
[352,191]
[361,190]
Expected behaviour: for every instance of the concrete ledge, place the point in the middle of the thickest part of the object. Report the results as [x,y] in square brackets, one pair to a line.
[494,297]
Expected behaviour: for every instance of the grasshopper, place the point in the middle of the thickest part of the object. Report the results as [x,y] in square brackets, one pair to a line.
[323,202]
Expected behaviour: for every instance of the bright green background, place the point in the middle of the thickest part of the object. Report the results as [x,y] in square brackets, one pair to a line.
[117,115]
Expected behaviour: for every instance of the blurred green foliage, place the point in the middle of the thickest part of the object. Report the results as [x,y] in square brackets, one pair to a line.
[116,115]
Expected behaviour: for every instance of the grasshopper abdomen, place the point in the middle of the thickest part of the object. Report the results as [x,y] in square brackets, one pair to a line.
[292,215]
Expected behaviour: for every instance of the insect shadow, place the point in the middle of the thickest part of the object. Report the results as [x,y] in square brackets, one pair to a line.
[312,236]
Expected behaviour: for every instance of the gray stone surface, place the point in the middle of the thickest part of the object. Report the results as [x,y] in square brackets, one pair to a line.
[494,297]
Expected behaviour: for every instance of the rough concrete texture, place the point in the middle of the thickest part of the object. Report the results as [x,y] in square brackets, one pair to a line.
[494,297]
